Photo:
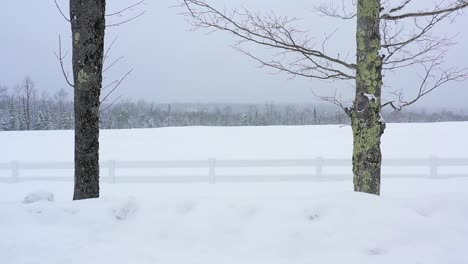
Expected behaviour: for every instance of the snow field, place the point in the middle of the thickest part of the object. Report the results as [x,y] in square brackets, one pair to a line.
[414,221]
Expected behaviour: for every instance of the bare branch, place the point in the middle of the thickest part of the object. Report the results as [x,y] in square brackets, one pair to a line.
[124,10]
[106,54]
[403,45]
[61,12]
[400,7]
[458,5]
[434,77]
[116,83]
[61,57]
[406,45]
[296,56]
[126,21]
[298,69]
[110,105]
[335,99]
[335,11]
[120,12]
[109,85]
[113,63]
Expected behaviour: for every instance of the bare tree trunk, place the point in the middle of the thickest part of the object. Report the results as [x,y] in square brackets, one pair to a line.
[367,123]
[88,26]
[29,92]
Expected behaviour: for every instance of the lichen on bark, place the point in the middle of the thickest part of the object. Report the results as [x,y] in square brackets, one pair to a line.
[77,37]
[367,125]
[82,76]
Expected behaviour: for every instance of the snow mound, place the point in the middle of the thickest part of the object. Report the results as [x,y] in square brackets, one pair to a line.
[125,209]
[39,195]
[283,223]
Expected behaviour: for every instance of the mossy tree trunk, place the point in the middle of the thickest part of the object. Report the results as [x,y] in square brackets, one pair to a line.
[366,120]
[88,26]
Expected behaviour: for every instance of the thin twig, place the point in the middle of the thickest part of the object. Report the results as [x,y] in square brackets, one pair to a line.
[61,57]
[125,9]
[61,12]
[117,84]
[126,21]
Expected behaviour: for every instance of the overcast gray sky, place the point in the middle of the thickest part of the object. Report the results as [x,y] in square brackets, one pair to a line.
[173,64]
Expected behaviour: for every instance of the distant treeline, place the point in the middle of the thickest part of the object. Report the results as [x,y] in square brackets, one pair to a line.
[24,108]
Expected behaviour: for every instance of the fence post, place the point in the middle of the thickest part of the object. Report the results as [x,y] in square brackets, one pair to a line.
[433,166]
[112,171]
[319,168]
[212,171]
[14,171]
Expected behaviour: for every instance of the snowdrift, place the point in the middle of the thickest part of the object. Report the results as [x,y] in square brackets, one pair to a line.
[238,223]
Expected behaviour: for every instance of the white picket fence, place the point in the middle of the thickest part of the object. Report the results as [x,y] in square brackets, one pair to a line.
[309,170]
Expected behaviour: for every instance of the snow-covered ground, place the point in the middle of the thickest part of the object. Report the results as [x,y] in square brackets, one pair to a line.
[186,143]
[414,221]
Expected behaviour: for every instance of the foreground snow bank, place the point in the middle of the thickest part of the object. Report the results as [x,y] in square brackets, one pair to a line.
[415,221]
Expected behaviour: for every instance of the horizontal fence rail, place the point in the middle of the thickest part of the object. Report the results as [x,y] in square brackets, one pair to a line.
[310,170]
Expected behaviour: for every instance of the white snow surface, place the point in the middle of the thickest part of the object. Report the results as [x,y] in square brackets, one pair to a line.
[445,140]
[414,221]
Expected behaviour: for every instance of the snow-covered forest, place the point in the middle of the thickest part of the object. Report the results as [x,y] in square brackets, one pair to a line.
[27,107]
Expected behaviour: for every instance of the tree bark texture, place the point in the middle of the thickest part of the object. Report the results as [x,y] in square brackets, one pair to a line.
[87,19]
[367,124]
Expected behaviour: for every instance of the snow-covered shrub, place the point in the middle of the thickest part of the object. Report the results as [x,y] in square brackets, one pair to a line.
[39,195]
